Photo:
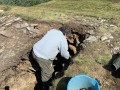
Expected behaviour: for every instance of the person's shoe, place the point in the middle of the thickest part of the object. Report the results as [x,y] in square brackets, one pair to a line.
[58,75]
[38,87]
[46,86]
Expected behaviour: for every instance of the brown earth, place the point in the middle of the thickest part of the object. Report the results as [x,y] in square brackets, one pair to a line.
[17,38]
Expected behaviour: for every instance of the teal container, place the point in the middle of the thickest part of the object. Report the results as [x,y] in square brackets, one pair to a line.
[83,81]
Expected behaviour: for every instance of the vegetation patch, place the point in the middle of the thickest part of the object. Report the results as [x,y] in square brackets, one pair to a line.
[23,2]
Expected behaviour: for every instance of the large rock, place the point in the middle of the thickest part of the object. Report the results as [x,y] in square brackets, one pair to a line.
[91,39]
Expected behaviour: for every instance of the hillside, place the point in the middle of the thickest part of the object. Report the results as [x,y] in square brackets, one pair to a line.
[21,27]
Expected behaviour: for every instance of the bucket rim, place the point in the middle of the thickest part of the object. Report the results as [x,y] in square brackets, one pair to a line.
[82,75]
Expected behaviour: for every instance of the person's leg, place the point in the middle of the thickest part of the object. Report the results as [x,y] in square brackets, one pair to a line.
[46,71]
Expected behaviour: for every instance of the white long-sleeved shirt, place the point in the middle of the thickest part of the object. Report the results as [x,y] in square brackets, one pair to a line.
[51,44]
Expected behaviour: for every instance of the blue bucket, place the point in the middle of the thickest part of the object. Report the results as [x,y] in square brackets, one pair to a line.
[82,81]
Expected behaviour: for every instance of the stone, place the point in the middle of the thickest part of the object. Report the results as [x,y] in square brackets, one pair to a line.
[76,37]
[71,40]
[108,41]
[106,36]
[34,26]
[102,20]
[111,37]
[73,48]
[116,48]
[103,38]
[36,31]
[91,39]
[24,25]
[112,25]
[2,28]
[5,34]
[111,45]
[29,28]
[91,32]
[24,30]
[2,11]
[17,26]
[17,19]
[8,24]
[2,49]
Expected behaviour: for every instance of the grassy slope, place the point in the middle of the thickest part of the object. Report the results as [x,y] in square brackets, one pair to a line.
[58,9]
[65,9]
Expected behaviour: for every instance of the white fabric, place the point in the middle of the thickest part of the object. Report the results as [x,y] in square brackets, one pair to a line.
[51,44]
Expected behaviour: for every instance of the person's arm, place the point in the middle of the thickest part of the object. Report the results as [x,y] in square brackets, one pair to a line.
[64,48]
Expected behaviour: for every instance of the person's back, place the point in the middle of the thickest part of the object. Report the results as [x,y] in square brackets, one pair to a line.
[49,46]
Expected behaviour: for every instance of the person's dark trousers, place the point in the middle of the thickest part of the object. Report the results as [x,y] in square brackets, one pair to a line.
[48,83]
[46,70]
[45,85]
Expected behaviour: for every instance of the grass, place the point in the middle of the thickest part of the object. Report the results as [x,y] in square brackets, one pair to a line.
[100,53]
[59,9]
[96,52]
[63,10]
[89,61]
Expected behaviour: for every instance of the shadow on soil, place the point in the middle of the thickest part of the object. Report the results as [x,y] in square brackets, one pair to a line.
[111,68]
[62,85]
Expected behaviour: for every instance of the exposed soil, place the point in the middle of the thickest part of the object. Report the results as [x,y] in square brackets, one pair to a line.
[18,72]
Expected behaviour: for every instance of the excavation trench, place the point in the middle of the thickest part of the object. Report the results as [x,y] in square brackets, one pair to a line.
[60,64]
[22,72]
